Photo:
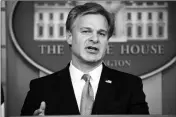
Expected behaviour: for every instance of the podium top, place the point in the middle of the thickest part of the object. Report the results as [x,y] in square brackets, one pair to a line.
[106,116]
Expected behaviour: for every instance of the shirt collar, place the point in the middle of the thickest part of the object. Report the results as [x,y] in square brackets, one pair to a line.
[96,73]
[76,74]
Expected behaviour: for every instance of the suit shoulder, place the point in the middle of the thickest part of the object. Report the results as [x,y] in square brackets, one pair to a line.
[116,75]
[48,78]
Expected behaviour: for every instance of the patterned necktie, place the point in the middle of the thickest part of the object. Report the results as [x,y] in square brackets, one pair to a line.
[87,98]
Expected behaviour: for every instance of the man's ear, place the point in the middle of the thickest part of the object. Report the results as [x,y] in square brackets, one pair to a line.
[69,37]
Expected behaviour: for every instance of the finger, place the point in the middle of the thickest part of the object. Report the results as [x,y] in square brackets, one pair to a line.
[41,114]
[35,112]
[38,112]
[41,110]
[43,105]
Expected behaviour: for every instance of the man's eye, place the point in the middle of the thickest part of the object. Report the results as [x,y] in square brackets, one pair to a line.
[86,31]
[102,34]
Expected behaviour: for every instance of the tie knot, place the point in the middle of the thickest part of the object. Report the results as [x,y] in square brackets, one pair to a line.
[86,77]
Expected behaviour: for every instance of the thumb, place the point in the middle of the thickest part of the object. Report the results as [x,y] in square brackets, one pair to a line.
[43,105]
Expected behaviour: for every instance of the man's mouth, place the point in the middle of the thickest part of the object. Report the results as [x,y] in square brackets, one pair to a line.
[92,49]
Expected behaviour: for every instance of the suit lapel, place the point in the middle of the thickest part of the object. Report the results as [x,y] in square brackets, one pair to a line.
[68,99]
[104,93]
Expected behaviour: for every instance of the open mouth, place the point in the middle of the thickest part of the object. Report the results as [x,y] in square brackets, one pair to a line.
[92,49]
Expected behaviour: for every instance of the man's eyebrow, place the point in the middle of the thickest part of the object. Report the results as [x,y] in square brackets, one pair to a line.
[102,30]
[86,28]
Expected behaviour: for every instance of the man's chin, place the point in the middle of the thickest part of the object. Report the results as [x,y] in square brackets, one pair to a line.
[93,61]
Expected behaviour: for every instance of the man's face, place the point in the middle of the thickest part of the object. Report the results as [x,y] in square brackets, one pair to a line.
[89,38]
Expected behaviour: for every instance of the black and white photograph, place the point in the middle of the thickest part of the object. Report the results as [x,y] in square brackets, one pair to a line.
[88,58]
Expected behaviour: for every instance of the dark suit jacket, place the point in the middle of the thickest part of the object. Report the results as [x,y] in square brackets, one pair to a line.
[2,95]
[124,95]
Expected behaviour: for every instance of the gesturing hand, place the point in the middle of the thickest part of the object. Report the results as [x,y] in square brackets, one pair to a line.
[41,110]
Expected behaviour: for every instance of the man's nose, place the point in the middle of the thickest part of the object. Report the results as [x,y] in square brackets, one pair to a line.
[95,38]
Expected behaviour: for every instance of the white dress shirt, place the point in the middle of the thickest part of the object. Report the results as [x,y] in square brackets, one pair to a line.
[2,110]
[79,83]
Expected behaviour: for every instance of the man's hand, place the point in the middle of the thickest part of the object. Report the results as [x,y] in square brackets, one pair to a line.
[41,110]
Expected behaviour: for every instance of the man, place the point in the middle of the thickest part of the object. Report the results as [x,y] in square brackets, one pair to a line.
[86,86]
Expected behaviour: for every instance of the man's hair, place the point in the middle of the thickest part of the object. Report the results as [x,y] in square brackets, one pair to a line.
[89,8]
